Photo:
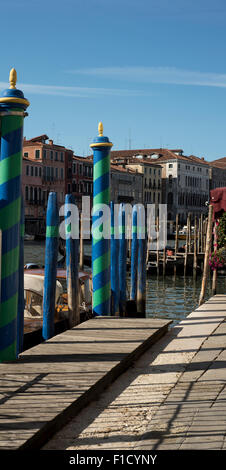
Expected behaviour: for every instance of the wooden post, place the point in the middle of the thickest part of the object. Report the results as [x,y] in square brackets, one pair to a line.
[176,246]
[164,262]
[201,233]
[206,259]
[81,254]
[189,233]
[157,252]
[186,249]
[198,236]
[195,250]
[214,279]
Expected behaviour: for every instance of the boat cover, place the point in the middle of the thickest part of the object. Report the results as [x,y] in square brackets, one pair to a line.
[218,201]
[35,283]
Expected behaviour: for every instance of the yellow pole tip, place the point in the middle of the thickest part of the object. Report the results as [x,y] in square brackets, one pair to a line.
[100,129]
[12,78]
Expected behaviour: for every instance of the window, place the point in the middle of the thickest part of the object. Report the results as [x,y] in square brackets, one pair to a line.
[61,156]
[56,170]
[26,193]
[44,154]
[32,171]
[56,156]
[36,171]
[62,173]
[26,154]
[27,170]
[37,153]
[40,172]
[69,188]
[170,165]
[51,155]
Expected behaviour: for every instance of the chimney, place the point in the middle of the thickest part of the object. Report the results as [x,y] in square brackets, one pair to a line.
[50,142]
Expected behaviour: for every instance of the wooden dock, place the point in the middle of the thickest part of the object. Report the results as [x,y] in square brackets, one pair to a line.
[51,382]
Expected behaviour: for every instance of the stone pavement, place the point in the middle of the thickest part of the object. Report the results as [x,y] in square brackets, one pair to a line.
[174,396]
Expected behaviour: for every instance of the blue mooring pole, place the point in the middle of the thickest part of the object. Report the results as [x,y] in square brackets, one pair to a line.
[141,281]
[21,304]
[114,264]
[122,261]
[72,245]
[134,256]
[51,253]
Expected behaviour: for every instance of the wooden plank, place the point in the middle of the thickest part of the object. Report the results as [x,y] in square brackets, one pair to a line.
[50,383]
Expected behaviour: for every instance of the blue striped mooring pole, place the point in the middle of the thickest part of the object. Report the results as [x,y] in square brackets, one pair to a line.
[51,254]
[122,260]
[134,255]
[101,257]
[12,112]
[72,248]
[114,264]
[142,250]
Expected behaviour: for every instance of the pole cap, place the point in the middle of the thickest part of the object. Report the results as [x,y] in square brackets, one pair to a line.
[100,140]
[11,97]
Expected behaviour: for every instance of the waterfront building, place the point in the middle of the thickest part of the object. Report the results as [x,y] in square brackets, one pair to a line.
[218,173]
[126,185]
[44,169]
[184,179]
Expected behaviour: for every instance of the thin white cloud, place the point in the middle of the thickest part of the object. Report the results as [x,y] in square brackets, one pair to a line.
[165,75]
[70,91]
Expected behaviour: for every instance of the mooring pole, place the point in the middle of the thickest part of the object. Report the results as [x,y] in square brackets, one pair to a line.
[122,260]
[134,256]
[114,263]
[72,243]
[101,257]
[12,113]
[20,315]
[207,251]
[51,253]
[141,282]
[214,279]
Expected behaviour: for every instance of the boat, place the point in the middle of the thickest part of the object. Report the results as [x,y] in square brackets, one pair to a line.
[34,290]
[28,238]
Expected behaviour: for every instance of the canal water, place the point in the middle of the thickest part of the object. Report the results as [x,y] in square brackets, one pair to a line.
[170,297]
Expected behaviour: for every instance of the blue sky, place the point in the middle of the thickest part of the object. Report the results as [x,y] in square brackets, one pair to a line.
[154,71]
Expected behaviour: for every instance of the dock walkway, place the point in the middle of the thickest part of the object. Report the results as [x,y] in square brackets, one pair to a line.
[174,398]
[54,380]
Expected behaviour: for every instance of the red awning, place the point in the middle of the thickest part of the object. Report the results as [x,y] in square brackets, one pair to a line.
[218,201]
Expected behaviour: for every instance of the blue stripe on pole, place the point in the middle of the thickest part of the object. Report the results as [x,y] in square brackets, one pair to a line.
[8,334]
[12,143]
[9,192]
[103,307]
[9,242]
[100,248]
[99,278]
[9,286]
[101,184]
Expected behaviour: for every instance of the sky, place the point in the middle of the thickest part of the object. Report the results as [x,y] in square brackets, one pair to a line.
[153,71]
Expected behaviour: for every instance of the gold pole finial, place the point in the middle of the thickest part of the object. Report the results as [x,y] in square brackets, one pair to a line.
[100,129]
[12,78]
